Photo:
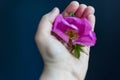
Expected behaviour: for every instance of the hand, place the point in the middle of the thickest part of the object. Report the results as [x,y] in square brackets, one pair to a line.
[59,63]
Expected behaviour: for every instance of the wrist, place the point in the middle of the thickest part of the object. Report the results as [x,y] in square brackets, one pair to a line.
[63,70]
[56,73]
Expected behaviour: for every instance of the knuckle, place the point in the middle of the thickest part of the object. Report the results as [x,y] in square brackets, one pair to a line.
[40,38]
[45,17]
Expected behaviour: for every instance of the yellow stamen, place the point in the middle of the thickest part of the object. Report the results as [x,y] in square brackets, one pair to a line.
[72,34]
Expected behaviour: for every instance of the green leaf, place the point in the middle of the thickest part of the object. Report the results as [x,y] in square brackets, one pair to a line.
[71,14]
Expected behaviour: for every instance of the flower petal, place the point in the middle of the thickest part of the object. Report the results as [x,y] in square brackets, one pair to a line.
[86,41]
[86,36]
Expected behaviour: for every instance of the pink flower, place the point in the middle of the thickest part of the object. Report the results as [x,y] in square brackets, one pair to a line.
[79,31]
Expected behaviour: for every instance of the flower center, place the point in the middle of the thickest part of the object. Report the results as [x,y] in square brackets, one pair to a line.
[72,34]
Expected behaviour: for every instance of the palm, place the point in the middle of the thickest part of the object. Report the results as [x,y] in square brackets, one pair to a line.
[59,55]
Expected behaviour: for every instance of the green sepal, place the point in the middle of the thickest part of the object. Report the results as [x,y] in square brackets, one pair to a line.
[77,53]
[77,50]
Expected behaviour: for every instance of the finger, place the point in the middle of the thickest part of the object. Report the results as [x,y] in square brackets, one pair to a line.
[91,18]
[45,25]
[80,10]
[89,10]
[89,14]
[72,7]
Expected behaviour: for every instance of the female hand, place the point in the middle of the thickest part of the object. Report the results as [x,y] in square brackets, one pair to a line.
[59,63]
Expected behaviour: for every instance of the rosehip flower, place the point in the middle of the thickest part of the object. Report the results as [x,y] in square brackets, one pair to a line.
[76,30]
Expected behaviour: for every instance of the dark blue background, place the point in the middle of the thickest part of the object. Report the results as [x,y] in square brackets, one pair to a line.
[19,57]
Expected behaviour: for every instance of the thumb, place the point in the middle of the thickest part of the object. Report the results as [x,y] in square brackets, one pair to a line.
[45,25]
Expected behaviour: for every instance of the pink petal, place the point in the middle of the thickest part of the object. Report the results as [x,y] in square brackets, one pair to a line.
[86,36]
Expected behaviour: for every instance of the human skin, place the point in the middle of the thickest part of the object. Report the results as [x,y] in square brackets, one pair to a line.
[59,63]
